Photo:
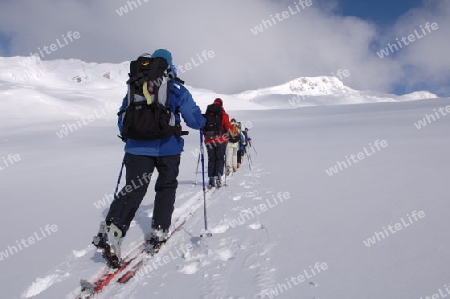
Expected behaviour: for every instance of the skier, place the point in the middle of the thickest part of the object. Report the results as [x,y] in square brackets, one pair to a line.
[140,160]
[249,140]
[234,138]
[215,132]
[241,152]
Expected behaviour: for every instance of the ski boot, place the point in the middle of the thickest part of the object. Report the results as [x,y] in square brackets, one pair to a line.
[212,183]
[156,239]
[228,171]
[108,240]
[218,181]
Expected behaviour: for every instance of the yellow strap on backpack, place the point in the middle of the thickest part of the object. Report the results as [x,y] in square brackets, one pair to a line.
[147,95]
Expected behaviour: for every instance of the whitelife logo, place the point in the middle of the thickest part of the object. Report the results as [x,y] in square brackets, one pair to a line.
[358,157]
[296,280]
[266,24]
[431,118]
[378,236]
[22,244]
[411,38]
[10,160]
[67,39]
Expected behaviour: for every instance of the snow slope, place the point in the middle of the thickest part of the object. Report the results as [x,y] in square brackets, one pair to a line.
[46,86]
[285,227]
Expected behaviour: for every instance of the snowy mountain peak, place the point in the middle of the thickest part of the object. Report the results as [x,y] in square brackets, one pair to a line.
[32,70]
[317,85]
[322,90]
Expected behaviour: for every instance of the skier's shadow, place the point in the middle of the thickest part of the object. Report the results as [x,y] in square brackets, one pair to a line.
[97,258]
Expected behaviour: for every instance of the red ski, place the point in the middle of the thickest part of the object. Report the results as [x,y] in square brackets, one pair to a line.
[89,290]
[131,273]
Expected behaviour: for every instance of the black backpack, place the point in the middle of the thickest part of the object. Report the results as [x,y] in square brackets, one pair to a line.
[213,126]
[147,116]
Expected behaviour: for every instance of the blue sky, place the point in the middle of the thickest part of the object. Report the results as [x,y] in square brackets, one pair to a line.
[4,42]
[381,11]
[317,41]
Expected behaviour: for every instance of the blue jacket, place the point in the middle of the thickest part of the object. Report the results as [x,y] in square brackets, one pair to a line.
[181,100]
[242,142]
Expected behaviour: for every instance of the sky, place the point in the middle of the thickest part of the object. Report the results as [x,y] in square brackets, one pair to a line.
[232,46]
[380,12]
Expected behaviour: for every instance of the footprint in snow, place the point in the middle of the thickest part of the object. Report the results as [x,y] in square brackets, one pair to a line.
[220,229]
[225,254]
[189,268]
[79,253]
[256,225]
[250,194]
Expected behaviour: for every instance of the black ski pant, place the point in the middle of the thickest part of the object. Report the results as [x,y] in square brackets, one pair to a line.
[139,170]
[216,158]
[240,155]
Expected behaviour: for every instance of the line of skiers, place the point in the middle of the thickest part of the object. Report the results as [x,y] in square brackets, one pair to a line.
[225,142]
[149,123]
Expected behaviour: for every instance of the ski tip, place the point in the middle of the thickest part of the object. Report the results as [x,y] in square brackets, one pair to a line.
[87,288]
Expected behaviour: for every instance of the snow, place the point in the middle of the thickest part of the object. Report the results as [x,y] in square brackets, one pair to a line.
[283,227]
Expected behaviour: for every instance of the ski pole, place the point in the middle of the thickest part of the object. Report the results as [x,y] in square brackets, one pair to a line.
[254,149]
[226,165]
[196,170]
[249,161]
[120,176]
[202,152]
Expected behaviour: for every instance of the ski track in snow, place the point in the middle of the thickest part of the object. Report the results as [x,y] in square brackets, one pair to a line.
[71,265]
[192,262]
[249,255]
[185,211]
[252,256]
[214,261]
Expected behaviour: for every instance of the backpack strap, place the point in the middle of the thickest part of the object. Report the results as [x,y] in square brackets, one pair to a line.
[173,77]
[163,92]
[147,95]
[164,95]
[131,92]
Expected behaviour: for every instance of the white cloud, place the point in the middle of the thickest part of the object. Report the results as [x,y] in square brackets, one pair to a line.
[429,56]
[315,41]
